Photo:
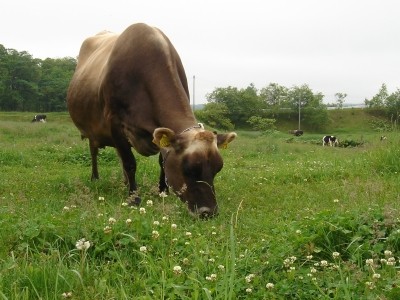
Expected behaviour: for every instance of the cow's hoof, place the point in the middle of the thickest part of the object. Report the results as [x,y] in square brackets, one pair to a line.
[134,201]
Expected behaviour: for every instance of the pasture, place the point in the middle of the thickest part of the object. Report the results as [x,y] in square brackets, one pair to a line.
[297,221]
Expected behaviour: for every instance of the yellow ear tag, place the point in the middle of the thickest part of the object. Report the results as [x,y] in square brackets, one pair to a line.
[164,141]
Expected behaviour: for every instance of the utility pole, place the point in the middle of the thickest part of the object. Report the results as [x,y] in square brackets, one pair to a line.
[194,83]
[299,111]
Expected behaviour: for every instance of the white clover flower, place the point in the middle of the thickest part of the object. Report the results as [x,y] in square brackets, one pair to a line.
[212,277]
[174,226]
[188,234]
[67,295]
[249,278]
[142,210]
[213,233]
[270,286]
[112,221]
[149,203]
[201,252]
[335,200]
[298,231]
[313,270]
[376,276]
[65,208]
[309,257]
[174,240]
[221,267]
[370,284]
[163,195]
[388,253]
[128,221]
[124,204]
[107,229]
[335,254]
[143,249]
[156,223]
[185,261]
[165,218]
[249,290]
[324,263]
[101,198]
[82,244]
[155,234]
[177,270]
[187,243]
[369,262]
[100,215]
[211,260]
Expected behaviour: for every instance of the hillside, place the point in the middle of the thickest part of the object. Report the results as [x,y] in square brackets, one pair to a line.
[340,121]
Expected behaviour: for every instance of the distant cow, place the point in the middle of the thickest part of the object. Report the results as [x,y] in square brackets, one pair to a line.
[330,140]
[130,90]
[296,132]
[39,118]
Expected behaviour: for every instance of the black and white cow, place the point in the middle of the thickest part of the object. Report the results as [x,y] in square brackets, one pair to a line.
[330,140]
[39,118]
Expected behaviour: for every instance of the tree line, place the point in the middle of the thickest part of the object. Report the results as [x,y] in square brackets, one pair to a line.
[249,107]
[32,84]
[231,107]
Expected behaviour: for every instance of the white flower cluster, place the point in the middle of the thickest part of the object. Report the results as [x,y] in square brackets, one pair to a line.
[82,244]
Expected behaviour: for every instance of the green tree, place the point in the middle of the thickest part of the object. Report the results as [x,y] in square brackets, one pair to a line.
[19,74]
[274,96]
[378,101]
[261,124]
[215,115]
[340,98]
[312,110]
[392,103]
[241,104]
[53,85]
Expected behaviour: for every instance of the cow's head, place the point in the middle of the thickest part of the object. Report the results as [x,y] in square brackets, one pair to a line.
[191,161]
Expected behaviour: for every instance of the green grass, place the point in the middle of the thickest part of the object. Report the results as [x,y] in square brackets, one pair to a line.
[286,205]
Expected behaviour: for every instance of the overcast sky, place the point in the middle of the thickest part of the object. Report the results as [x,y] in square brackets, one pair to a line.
[346,46]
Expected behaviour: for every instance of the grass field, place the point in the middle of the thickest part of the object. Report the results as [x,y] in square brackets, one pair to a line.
[297,220]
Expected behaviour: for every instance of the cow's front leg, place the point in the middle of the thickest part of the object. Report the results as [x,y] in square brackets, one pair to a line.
[128,164]
[162,183]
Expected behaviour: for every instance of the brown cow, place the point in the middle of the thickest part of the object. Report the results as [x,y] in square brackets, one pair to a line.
[130,90]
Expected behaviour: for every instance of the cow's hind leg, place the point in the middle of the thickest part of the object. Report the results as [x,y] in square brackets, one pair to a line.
[94,151]
[162,185]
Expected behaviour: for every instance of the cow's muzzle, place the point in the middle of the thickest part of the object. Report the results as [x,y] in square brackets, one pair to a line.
[204,212]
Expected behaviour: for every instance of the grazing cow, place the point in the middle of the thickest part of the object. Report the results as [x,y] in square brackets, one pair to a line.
[330,140]
[296,132]
[130,90]
[39,118]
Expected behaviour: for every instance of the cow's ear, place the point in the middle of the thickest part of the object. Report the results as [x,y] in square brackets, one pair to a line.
[162,137]
[224,139]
